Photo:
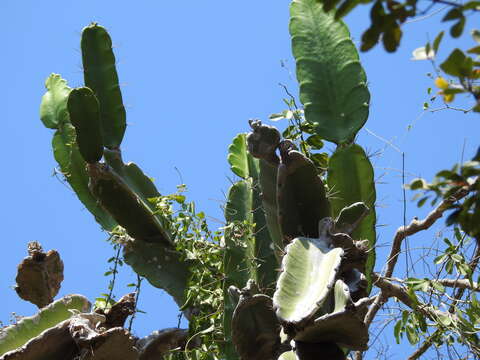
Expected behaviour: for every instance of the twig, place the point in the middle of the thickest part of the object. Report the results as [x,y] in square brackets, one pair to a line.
[114,273]
[404,231]
[457,283]
[137,294]
[419,225]
[390,289]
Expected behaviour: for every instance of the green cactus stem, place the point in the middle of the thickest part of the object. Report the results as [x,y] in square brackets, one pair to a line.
[162,266]
[332,82]
[255,328]
[126,206]
[54,115]
[84,113]
[351,178]
[350,217]
[27,328]
[53,109]
[302,200]
[100,75]
[73,167]
[262,144]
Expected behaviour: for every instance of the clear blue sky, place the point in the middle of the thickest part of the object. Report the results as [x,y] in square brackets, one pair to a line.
[192,74]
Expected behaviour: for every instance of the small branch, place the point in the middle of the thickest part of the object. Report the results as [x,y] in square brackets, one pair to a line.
[390,289]
[137,295]
[459,284]
[419,225]
[377,304]
[454,283]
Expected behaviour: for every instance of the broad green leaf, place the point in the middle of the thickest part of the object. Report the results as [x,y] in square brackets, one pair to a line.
[456,64]
[255,328]
[100,75]
[72,166]
[437,41]
[53,109]
[27,328]
[332,82]
[309,270]
[351,180]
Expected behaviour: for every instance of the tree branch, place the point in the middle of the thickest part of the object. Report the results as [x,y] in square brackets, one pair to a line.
[419,225]
[459,284]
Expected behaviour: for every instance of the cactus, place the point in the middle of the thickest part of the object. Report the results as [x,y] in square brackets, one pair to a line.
[332,82]
[27,328]
[101,77]
[90,123]
[284,213]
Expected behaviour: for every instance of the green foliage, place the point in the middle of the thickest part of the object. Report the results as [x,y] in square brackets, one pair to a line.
[201,249]
[386,18]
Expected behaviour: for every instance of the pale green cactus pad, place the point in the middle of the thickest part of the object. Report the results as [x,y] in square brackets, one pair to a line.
[309,271]
[343,326]
[27,328]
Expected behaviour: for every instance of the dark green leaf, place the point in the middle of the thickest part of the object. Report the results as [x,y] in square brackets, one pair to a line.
[436,42]
[474,50]
[453,14]
[315,141]
[457,29]
[454,65]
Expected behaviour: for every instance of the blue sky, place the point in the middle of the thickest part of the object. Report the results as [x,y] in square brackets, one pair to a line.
[192,74]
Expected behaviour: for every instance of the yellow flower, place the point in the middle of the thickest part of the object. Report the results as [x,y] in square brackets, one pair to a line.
[441,83]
